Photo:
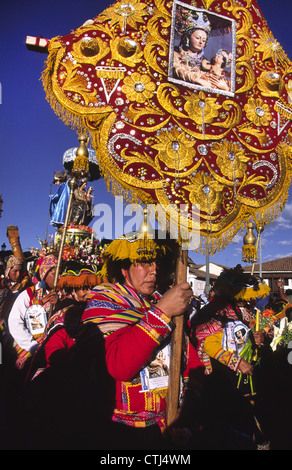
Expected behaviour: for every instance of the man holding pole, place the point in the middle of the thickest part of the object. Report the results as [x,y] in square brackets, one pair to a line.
[137,326]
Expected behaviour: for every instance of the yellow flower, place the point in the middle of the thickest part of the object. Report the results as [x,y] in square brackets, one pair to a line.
[126,13]
[205,192]
[258,112]
[230,159]
[201,109]
[138,87]
[268,45]
[175,149]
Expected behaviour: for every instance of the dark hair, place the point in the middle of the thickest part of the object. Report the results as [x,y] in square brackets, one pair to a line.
[114,269]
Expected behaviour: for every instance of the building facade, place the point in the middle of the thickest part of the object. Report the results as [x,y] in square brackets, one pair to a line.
[271,271]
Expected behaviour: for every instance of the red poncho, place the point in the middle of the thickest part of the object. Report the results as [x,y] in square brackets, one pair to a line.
[135,331]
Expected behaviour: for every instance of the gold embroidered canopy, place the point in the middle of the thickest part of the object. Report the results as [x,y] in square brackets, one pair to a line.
[175,126]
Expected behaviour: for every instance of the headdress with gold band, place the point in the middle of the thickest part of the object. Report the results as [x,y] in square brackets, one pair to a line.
[187,21]
[135,247]
[78,276]
[239,285]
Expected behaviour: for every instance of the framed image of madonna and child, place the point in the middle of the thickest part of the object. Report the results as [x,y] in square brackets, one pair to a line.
[202,50]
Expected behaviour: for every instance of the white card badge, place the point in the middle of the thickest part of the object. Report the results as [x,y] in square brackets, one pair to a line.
[36,319]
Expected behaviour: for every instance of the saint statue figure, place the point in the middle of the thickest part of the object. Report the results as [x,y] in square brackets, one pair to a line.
[82,211]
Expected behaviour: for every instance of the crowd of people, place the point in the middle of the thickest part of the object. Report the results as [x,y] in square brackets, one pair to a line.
[86,365]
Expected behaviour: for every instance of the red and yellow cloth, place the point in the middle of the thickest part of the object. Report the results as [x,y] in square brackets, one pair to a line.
[134,329]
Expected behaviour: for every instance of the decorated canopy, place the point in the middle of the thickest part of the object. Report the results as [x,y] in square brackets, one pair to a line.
[187,104]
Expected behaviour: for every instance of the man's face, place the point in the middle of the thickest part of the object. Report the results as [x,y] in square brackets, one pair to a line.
[142,276]
[14,273]
[81,294]
[50,278]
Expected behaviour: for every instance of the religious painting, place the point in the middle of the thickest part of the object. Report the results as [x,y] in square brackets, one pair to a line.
[155,375]
[202,50]
[235,336]
[36,319]
[240,336]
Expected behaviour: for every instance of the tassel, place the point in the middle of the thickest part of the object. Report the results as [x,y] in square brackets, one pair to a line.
[81,165]
[249,253]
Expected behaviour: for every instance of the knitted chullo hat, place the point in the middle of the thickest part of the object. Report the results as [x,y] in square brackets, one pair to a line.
[237,284]
[77,276]
[47,263]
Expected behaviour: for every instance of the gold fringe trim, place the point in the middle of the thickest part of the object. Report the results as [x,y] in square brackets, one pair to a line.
[249,253]
[249,293]
[70,119]
[134,250]
[215,242]
[116,189]
[161,392]
[81,163]
[77,281]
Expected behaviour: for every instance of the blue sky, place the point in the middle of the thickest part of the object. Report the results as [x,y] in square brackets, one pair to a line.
[33,139]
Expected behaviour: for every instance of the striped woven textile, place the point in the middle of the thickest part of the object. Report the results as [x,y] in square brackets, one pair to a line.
[118,306]
[113,307]
[22,353]
[210,328]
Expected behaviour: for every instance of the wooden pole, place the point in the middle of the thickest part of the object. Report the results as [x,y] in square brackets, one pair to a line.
[253,263]
[72,185]
[176,345]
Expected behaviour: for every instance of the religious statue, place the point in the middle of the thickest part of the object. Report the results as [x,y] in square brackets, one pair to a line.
[81,212]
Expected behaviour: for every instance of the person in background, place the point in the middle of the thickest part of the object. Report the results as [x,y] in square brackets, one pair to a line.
[220,332]
[68,396]
[75,283]
[14,281]
[40,294]
[286,298]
